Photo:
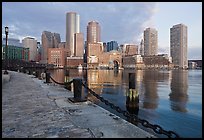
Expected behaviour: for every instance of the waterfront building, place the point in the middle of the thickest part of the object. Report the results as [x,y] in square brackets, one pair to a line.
[112,59]
[192,65]
[56,39]
[39,52]
[157,61]
[93,32]
[142,47]
[93,52]
[72,27]
[12,42]
[131,49]
[179,45]
[78,44]
[57,57]
[31,43]
[49,40]
[16,52]
[61,45]
[112,45]
[74,62]
[133,61]
[150,41]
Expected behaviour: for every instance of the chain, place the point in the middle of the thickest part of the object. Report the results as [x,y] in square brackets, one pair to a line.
[156,128]
[66,83]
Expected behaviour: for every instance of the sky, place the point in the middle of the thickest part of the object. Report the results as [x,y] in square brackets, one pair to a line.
[123,22]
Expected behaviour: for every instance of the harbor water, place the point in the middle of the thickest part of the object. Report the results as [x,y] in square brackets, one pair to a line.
[169,98]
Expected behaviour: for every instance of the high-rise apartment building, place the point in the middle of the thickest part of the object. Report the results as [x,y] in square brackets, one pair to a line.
[49,40]
[72,27]
[178,45]
[150,41]
[112,45]
[78,44]
[142,47]
[93,32]
[56,40]
[31,43]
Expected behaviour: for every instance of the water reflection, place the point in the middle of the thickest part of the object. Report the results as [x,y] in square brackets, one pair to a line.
[179,89]
[150,79]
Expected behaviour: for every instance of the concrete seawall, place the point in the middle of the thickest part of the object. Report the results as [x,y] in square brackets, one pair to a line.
[31,108]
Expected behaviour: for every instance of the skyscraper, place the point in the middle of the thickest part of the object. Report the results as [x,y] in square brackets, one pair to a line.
[49,40]
[31,43]
[142,47]
[178,45]
[78,44]
[72,27]
[56,40]
[93,32]
[112,45]
[150,41]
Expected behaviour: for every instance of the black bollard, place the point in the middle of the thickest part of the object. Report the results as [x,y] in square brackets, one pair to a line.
[36,74]
[66,80]
[132,98]
[47,77]
[29,71]
[78,96]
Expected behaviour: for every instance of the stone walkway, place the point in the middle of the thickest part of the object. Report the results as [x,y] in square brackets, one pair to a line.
[31,108]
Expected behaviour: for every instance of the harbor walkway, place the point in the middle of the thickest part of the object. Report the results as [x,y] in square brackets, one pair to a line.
[32,108]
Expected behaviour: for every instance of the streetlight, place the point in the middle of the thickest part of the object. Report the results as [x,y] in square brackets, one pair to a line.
[6,50]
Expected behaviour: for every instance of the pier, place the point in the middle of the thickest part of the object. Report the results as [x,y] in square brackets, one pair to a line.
[32,108]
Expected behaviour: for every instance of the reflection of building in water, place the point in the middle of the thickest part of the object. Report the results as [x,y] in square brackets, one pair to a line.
[98,80]
[58,75]
[150,99]
[179,89]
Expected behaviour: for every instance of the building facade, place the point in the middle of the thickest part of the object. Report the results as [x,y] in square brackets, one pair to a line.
[31,43]
[16,52]
[57,57]
[150,41]
[179,45]
[78,44]
[72,27]
[12,42]
[112,45]
[131,49]
[93,32]
[49,40]
[142,47]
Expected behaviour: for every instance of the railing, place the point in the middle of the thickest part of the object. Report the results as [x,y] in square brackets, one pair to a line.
[78,98]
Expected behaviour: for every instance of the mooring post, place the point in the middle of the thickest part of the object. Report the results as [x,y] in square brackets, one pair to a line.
[47,77]
[78,96]
[29,71]
[36,73]
[66,80]
[132,97]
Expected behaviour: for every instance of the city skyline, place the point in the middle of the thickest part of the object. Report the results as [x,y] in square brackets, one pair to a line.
[135,15]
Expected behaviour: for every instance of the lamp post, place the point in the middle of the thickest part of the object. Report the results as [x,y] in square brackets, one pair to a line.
[6,50]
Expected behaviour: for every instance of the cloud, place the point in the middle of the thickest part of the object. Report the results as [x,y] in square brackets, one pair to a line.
[123,22]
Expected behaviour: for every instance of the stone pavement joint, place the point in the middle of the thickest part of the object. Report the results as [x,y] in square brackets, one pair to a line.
[33,109]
